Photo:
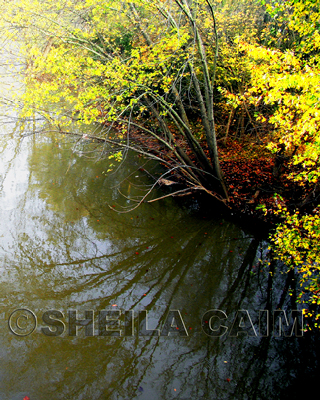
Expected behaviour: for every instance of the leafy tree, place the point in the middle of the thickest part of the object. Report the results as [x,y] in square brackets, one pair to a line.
[296,243]
[143,65]
[286,79]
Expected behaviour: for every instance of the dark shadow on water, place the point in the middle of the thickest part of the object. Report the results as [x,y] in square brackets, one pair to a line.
[64,248]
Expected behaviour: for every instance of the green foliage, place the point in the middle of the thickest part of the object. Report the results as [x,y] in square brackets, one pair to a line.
[292,90]
[122,61]
[296,242]
[285,87]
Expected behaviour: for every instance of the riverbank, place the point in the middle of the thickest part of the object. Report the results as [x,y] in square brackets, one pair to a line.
[255,187]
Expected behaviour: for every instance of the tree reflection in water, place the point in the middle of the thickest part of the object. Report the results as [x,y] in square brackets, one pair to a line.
[63,248]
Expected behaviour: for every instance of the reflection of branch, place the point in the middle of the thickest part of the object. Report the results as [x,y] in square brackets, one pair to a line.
[192,187]
[196,185]
[176,193]
[118,143]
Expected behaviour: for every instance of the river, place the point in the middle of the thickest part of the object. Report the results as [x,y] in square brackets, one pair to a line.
[144,281]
